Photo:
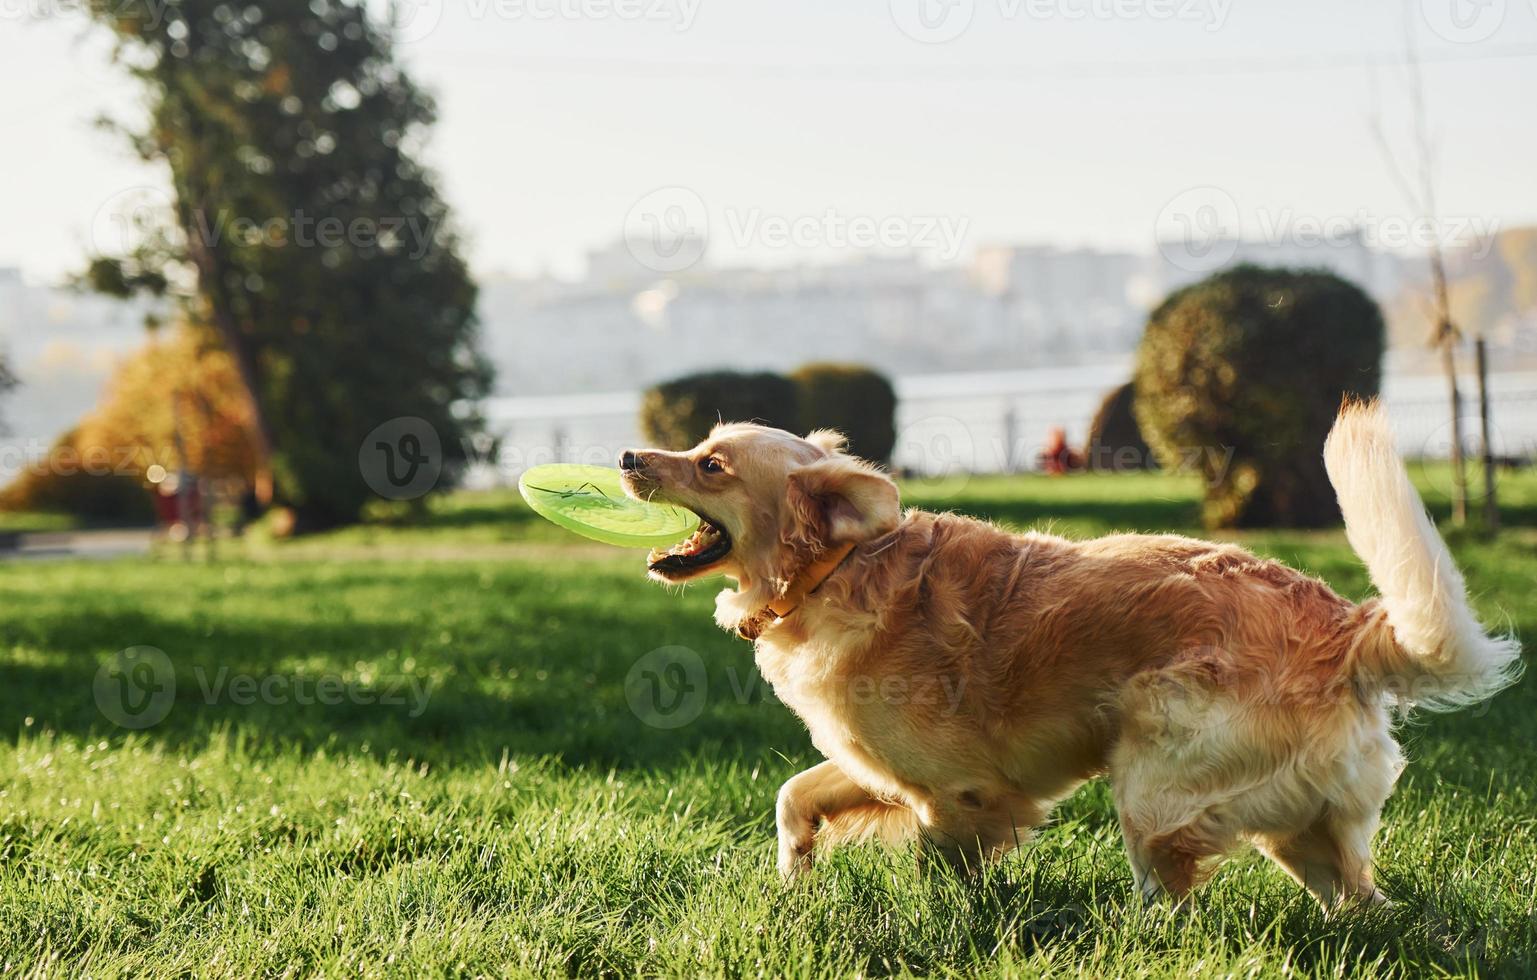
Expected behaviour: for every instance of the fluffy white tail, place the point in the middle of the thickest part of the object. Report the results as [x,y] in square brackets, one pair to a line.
[1444,659]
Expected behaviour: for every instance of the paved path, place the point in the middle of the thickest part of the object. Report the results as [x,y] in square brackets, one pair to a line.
[38,545]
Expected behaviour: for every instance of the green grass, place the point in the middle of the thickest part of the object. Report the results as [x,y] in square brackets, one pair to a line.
[26,522]
[525,820]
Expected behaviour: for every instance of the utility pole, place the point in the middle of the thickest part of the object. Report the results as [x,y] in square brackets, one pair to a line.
[1491,505]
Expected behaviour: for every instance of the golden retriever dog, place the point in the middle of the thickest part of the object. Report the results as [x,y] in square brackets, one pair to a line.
[961,679]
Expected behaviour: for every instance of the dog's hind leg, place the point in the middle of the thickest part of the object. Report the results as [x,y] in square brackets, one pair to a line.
[1168,866]
[1331,859]
[889,823]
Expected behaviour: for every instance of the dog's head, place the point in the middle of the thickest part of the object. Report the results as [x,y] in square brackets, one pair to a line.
[770,503]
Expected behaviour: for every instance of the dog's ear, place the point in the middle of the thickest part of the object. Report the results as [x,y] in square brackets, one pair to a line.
[836,500]
[830,441]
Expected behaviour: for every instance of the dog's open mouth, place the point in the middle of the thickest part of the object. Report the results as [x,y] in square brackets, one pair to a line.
[708,545]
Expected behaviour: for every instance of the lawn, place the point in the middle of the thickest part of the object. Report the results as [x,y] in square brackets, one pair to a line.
[460,747]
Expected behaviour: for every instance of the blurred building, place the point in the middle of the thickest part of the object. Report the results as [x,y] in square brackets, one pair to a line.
[62,344]
[1013,307]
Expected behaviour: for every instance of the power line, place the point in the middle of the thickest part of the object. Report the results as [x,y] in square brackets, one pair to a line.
[1106,70]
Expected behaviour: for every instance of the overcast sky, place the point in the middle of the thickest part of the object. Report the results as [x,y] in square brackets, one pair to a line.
[1074,122]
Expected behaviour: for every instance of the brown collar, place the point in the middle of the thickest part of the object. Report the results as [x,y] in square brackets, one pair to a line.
[813,577]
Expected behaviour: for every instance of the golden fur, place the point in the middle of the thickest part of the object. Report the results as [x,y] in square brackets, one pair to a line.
[961,679]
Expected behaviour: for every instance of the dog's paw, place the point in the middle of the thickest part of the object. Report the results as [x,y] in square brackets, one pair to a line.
[795,859]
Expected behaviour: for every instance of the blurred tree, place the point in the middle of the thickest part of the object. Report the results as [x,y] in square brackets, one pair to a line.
[678,414]
[176,403]
[1239,376]
[1115,439]
[306,231]
[857,401]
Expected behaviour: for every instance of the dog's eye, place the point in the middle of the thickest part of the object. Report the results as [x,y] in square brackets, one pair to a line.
[711,465]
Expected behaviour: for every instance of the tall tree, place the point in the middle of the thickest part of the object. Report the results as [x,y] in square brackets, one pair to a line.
[307,233]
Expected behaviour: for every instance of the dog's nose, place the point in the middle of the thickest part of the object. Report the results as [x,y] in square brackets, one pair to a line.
[629,460]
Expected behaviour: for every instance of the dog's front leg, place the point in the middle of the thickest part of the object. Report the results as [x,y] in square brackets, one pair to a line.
[820,793]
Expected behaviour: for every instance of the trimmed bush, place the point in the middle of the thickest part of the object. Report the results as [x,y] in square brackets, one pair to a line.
[1115,439]
[1239,377]
[855,400]
[677,414]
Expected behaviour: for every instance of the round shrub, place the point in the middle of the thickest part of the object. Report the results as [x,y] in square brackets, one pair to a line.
[1239,377]
[855,400]
[677,414]
[1115,439]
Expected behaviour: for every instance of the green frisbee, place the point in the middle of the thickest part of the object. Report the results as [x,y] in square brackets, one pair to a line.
[589,501]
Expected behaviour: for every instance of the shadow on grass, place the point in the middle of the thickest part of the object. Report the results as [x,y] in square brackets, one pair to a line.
[570,679]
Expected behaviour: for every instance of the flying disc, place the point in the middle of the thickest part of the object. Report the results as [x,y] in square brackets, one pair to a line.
[589,501]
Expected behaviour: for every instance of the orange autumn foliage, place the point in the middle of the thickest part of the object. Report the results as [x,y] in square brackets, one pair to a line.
[181,384]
